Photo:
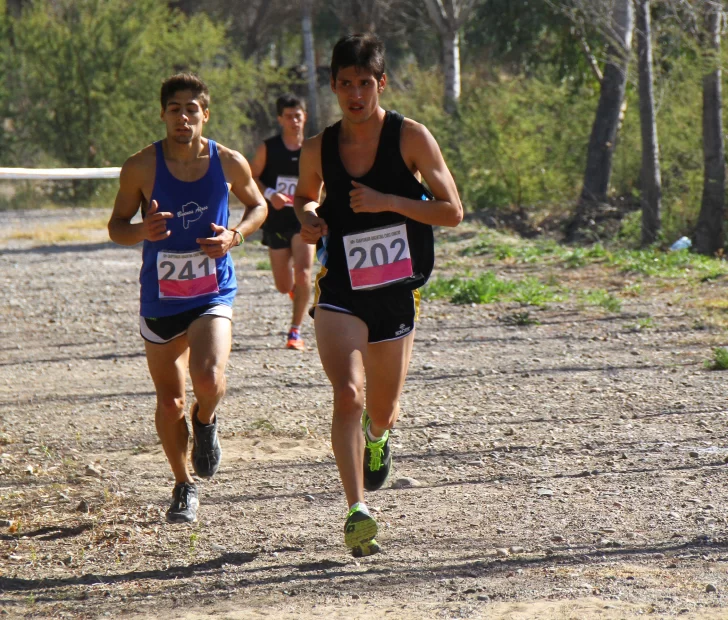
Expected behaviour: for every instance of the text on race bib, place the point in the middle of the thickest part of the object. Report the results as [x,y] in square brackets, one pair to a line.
[287,187]
[378,257]
[185,275]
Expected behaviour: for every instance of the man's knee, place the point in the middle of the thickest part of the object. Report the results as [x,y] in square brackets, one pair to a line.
[303,277]
[383,415]
[348,398]
[209,381]
[170,408]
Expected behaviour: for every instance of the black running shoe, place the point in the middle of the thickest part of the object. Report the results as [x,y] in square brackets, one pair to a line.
[377,458]
[206,451]
[184,504]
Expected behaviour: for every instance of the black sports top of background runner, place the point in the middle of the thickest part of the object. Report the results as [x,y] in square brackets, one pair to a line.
[279,162]
[390,175]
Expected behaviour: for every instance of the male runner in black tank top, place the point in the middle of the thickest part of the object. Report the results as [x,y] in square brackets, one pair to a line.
[275,169]
[374,239]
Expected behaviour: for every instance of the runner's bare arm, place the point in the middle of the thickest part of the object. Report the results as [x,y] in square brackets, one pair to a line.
[308,191]
[242,185]
[422,154]
[128,200]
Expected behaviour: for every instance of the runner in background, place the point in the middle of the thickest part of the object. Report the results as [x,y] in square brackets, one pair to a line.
[375,243]
[188,284]
[275,169]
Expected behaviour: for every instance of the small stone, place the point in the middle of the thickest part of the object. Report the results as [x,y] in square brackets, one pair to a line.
[694,454]
[502,552]
[5,522]
[217,547]
[92,471]
[83,506]
[309,498]
[545,492]
[516,549]
[483,597]
[711,588]
[557,538]
[405,483]
[428,366]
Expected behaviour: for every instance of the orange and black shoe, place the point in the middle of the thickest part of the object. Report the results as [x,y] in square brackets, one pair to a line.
[295,341]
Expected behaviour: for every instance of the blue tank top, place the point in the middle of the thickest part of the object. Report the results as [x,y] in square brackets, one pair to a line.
[176,276]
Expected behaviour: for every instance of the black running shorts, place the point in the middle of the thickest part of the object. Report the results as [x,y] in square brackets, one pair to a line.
[279,239]
[164,329]
[388,317]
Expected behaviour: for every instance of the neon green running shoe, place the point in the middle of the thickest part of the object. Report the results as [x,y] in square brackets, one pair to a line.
[377,458]
[359,532]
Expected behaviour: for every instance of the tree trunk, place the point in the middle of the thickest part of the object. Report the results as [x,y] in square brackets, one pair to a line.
[651,181]
[709,231]
[449,17]
[311,70]
[451,43]
[600,151]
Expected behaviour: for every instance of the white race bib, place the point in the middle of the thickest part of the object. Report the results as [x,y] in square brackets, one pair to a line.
[185,275]
[287,187]
[378,257]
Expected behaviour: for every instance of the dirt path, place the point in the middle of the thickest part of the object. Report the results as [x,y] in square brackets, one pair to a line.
[568,469]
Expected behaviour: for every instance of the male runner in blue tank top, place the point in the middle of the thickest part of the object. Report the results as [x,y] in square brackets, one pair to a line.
[188,285]
[275,169]
[375,244]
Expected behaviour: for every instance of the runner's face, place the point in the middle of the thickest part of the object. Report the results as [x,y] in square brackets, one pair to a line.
[358,92]
[292,121]
[184,117]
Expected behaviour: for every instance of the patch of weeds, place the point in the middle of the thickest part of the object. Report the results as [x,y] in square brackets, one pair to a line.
[484,289]
[603,299]
[713,275]
[579,257]
[263,265]
[521,319]
[488,288]
[263,425]
[700,325]
[654,262]
[632,290]
[194,537]
[719,361]
[643,323]
[532,292]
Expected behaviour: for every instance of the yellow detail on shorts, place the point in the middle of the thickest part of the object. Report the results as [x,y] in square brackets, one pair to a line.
[317,293]
[417,297]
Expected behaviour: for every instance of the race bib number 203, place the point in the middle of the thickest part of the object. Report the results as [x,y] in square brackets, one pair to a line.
[378,257]
[184,275]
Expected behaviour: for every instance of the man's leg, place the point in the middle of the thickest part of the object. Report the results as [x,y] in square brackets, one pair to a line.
[386,366]
[342,343]
[302,265]
[280,264]
[168,368]
[210,340]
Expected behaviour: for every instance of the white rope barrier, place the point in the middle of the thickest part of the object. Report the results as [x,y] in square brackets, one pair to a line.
[58,174]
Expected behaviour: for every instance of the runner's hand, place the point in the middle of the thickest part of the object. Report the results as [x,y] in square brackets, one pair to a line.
[220,244]
[364,199]
[279,201]
[154,223]
[313,228]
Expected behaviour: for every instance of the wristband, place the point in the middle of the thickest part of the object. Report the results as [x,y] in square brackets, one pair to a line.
[269,191]
[237,232]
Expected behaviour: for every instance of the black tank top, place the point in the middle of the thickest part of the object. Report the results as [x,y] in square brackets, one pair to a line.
[390,175]
[280,173]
